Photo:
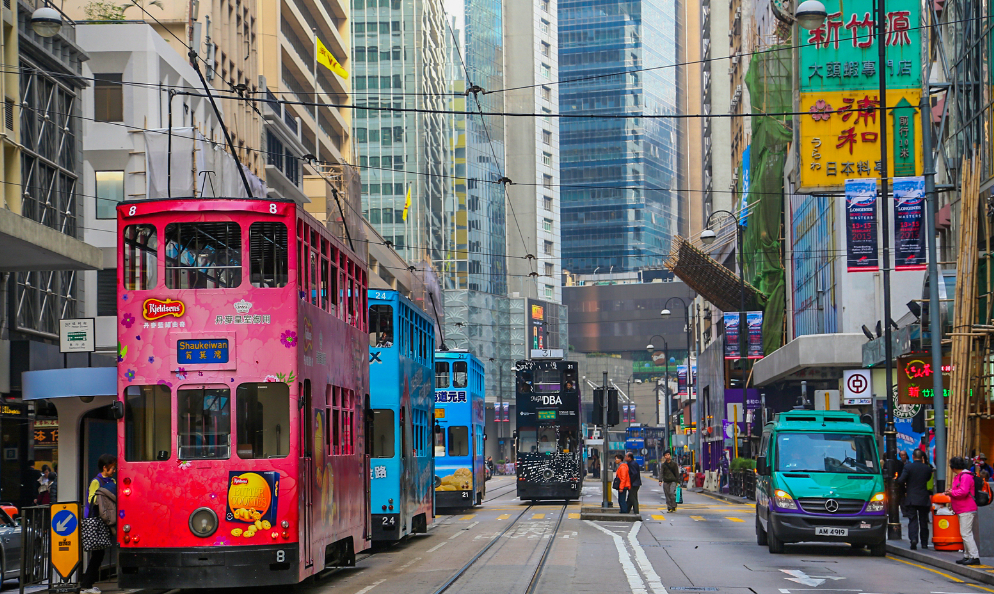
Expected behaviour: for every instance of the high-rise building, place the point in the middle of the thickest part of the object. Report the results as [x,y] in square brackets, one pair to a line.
[398,50]
[531,72]
[620,204]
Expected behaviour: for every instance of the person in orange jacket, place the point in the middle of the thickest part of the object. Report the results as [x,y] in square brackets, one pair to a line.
[622,483]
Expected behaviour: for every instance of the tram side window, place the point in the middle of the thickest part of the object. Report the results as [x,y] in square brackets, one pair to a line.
[439,444]
[204,423]
[458,441]
[263,420]
[527,440]
[147,423]
[460,376]
[383,433]
[140,254]
[381,325]
[269,255]
[203,255]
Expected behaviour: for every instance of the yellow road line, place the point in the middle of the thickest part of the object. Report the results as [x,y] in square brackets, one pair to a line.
[658,517]
[538,516]
[945,575]
[734,519]
[503,516]
[980,587]
[574,516]
[697,518]
[468,517]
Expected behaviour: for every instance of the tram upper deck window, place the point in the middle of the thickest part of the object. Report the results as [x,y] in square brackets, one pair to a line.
[140,254]
[263,420]
[204,423]
[527,440]
[381,325]
[203,255]
[460,374]
[547,380]
[147,423]
[458,440]
[440,442]
[268,255]
[383,433]
[441,374]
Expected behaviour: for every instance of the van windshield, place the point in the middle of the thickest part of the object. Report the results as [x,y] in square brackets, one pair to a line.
[826,452]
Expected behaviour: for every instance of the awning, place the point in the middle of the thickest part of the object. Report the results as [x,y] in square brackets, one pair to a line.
[69,383]
[843,351]
[28,245]
[711,280]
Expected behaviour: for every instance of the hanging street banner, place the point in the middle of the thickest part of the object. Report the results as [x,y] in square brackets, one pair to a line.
[909,214]
[754,322]
[839,93]
[731,319]
[861,225]
[681,380]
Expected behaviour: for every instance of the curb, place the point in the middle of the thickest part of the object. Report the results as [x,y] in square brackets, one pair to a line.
[950,566]
[724,497]
[610,514]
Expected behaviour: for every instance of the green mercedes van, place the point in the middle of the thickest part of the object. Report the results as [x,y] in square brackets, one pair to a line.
[819,480]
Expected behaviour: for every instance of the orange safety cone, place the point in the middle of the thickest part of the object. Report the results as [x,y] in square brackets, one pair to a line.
[945,529]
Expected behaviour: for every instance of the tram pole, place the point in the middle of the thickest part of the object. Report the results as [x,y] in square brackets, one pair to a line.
[605,483]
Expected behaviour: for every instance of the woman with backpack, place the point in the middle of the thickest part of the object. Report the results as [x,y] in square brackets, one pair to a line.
[99,532]
[961,492]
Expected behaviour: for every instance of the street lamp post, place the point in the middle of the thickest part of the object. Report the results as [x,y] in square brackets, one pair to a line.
[708,236]
[686,310]
[666,389]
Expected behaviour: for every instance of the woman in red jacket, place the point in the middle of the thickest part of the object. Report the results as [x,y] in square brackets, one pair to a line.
[960,494]
[622,482]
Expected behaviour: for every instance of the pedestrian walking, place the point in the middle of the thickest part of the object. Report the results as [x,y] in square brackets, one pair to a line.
[622,483]
[669,476]
[635,477]
[961,499]
[44,497]
[597,468]
[980,465]
[98,527]
[917,497]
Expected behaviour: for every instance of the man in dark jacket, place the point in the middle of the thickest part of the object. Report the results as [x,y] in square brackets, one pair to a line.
[914,478]
[669,476]
[635,476]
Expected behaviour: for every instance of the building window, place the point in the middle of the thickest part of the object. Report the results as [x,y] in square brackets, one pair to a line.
[546,49]
[108,98]
[545,5]
[547,247]
[547,224]
[550,269]
[546,70]
[107,292]
[545,26]
[547,200]
[548,292]
[547,183]
[547,159]
[546,137]
[547,93]
[109,193]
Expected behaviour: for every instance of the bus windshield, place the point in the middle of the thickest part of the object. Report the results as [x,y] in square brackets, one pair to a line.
[826,452]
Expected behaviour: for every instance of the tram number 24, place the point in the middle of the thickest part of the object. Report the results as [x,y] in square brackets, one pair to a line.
[272,209]
[389,521]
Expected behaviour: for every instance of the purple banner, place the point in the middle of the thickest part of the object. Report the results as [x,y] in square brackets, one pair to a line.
[861,225]
[507,409]
[681,380]
[909,214]
[754,322]
[731,319]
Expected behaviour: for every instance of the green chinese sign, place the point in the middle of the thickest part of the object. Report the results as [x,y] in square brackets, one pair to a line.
[842,53]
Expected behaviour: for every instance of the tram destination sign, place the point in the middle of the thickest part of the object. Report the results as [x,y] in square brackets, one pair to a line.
[207,350]
[76,335]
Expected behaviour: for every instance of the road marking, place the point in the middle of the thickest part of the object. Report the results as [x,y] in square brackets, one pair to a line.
[455,535]
[650,574]
[410,563]
[658,517]
[980,587]
[469,517]
[634,580]
[574,516]
[734,519]
[470,526]
[809,580]
[438,546]
[538,516]
[370,587]
[945,575]
[698,518]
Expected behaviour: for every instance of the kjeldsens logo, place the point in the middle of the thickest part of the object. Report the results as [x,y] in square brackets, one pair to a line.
[154,309]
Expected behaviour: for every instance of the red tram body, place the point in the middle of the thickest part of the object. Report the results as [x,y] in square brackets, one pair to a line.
[243,371]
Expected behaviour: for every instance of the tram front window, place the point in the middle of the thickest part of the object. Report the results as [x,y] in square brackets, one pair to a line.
[383,433]
[263,420]
[203,255]
[547,440]
[147,420]
[381,326]
[458,441]
[527,441]
[441,374]
[460,375]
[204,423]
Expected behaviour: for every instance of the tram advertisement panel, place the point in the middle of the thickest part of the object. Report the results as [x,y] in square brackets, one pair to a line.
[252,497]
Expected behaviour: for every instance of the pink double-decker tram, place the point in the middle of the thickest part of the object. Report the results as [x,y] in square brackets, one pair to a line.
[244,375]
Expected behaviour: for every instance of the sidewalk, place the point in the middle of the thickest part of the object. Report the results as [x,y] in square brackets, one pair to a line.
[722,496]
[942,560]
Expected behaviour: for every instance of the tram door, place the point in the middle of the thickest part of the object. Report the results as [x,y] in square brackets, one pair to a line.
[306,430]
[405,465]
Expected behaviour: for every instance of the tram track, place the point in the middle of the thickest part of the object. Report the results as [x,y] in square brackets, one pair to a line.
[536,575]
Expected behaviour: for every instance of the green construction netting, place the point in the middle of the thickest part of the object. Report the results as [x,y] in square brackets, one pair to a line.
[769,82]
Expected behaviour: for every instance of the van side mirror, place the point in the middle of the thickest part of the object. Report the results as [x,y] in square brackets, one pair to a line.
[761,468]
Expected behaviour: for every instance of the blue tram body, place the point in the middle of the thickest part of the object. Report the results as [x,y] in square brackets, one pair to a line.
[635,443]
[401,390]
[460,479]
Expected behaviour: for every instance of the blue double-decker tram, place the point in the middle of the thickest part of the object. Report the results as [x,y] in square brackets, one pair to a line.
[460,479]
[401,390]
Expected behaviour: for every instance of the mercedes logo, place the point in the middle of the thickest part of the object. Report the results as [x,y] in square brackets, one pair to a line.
[831,506]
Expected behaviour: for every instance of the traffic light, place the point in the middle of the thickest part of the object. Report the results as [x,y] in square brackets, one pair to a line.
[613,415]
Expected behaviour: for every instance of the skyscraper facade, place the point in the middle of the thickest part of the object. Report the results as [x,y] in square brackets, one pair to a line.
[620,204]
[399,55]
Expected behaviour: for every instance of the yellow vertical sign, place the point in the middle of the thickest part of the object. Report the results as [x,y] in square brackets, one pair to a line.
[64,542]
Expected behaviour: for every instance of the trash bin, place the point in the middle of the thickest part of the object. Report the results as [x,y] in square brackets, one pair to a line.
[945,529]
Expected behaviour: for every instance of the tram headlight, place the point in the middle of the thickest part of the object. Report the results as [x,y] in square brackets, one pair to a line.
[203,522]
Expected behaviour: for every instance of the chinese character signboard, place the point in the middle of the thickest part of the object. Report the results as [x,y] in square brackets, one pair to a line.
[915,377]
[839,94]
[861,225]
[909,214]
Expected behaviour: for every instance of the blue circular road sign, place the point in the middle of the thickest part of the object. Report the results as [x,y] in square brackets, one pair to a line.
[64,522]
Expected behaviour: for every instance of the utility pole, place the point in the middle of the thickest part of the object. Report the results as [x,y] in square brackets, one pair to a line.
[605,484]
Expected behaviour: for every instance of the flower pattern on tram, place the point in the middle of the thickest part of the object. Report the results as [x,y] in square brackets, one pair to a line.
[130,374]
[289,339]
[127,320]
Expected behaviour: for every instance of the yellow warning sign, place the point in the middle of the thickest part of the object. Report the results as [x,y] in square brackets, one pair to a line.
[65,538]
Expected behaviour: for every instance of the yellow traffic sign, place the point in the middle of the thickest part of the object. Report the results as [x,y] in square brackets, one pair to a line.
[65,539]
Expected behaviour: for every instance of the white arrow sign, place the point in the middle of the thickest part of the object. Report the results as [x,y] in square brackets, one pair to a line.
[59,527]
[808,580]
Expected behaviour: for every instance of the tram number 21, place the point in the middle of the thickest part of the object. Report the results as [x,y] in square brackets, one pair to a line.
[465,494]
[389,521]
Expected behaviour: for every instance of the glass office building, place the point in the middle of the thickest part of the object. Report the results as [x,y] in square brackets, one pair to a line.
[618,195]
[399,52]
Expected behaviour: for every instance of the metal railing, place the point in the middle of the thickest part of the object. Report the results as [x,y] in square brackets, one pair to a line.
[742,483]
[35,568]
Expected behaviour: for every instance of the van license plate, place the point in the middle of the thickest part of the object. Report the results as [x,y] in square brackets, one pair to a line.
[831,531]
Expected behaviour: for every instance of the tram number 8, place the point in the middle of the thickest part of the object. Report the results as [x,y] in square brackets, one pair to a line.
[389,521]
[281,556]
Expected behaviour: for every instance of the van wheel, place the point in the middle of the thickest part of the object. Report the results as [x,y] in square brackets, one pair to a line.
[772,542]
[760,533]
[879,549]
